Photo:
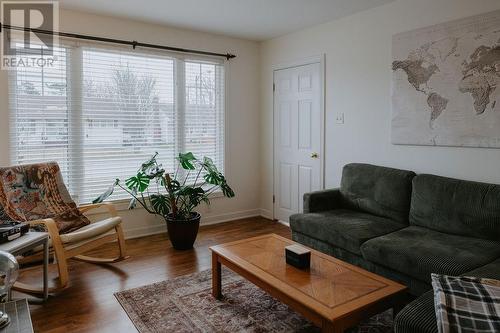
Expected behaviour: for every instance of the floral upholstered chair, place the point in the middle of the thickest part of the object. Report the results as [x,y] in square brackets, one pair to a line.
[37,195]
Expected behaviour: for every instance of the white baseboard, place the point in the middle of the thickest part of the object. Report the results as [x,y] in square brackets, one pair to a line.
[214,219]
[144,231]
[266,213]
[283,222]
[209,220]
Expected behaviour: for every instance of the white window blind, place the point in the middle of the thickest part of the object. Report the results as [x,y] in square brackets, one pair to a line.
[203,128]
[101,111]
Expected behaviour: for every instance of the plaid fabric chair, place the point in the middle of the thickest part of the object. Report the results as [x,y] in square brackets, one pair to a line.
[37,195]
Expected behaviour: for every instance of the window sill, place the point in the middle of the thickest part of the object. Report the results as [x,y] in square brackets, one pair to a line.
[122,204]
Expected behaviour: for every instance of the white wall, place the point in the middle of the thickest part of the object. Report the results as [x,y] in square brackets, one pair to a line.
[242,127]
[358,82]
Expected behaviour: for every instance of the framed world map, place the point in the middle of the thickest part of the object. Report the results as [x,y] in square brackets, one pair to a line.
[446,84]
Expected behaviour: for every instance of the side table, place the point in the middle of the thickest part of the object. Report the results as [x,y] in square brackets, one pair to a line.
[23,244]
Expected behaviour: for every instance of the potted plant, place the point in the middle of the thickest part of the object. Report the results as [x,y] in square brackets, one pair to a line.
[174,196]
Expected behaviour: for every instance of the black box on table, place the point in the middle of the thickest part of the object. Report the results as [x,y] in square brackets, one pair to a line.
[298,256]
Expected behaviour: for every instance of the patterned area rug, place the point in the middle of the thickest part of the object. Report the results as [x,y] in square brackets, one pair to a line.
[185,304]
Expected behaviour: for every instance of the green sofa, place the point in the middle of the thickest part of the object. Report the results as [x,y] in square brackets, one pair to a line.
[406,226]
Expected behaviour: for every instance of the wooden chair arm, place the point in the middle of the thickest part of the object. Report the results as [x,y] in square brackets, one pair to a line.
[51,228]
[108,205]
[57,246]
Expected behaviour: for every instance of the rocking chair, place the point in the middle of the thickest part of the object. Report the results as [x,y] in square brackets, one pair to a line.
[36,194]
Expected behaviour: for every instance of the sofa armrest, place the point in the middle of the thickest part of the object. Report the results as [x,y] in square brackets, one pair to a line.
[322,200]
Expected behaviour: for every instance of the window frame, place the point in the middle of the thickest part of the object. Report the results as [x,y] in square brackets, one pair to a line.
[75,98]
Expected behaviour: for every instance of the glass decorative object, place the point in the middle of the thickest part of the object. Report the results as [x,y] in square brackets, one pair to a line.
[9,271]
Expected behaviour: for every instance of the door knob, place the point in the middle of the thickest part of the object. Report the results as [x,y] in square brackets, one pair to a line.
[314,155]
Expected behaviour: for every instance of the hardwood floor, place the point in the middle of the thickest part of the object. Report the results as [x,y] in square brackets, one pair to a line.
[88,304]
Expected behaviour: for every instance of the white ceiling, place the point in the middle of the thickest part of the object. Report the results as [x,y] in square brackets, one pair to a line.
[250,19]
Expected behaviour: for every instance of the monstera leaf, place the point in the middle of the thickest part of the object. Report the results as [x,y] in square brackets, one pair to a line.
[209,165]
[106,194]
[212,176]
[132,204]
[186,161]
[215,177]
[175,185]
[226,190]
[149,163]
[189,190]
[156,173]
[160,203]
[138,183]
[195,194]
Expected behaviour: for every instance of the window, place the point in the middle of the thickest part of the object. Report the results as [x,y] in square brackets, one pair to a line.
[101,111]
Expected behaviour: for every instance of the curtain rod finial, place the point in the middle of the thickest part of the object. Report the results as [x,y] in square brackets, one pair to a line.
[230,56]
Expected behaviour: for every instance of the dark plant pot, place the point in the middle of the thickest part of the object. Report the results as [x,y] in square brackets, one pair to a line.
[182,233]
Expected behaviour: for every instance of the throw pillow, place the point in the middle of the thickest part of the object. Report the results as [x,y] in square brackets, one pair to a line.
[466,304]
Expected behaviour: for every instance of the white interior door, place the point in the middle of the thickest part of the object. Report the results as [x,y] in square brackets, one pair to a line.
[297,137]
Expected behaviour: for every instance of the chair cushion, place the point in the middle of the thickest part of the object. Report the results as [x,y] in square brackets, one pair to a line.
[456,206]
[37,191]
[91,230]
[418,252]
[377,190]
[343,228]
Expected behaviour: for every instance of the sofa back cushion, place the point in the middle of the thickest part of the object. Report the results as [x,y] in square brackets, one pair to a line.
[456,206]
[377,190]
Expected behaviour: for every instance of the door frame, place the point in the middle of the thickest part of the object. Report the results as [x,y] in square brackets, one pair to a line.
[291,64]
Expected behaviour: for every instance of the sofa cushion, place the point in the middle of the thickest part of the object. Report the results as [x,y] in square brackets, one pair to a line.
[418,316]
[418,252]
[456,206]
[343,228]
[377,190]
[488,271]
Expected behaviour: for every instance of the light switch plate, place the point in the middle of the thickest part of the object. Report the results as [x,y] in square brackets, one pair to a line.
[339,119]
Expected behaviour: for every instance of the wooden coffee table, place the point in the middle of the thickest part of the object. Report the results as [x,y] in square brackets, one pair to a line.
[332,294]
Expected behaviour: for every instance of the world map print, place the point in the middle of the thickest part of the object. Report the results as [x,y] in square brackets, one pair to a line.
[446,84]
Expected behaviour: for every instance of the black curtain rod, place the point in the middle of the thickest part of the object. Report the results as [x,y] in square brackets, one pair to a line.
[134,43]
